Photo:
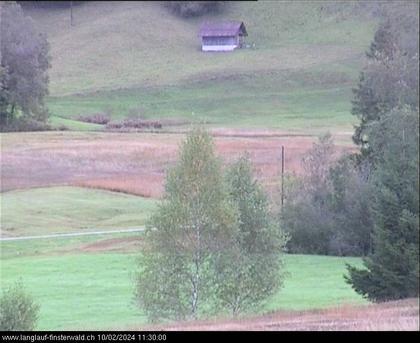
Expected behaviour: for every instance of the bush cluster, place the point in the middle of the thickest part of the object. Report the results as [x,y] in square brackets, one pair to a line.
[25,124]
[97,118]
[134,123]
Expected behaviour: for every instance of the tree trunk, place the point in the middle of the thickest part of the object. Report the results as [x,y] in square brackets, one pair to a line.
[196,276]
[195,289]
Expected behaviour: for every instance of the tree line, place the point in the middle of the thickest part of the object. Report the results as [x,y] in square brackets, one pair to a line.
[366,203]
[25,60]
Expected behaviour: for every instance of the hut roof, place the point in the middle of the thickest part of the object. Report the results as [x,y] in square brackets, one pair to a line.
[226,28]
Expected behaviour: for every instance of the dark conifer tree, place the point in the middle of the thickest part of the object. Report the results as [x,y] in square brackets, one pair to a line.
[392,270]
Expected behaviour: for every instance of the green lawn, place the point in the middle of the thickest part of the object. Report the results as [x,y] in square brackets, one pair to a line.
[56,121]
[70,209]
[77,290]
[95,290]
[315,282]
[306,102]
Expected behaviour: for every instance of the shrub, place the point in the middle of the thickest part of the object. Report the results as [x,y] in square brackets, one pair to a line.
[114,126]
[139,123]
[24,123]
[134,123]
[97,118]
[62,128]
[18,311]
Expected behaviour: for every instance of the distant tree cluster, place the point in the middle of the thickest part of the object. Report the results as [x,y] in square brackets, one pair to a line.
[193,8]
[327,209]
[211,245]
[49,4]
[24,71]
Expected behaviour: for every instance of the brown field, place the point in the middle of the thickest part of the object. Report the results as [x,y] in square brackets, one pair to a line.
[136,162]
[400,315]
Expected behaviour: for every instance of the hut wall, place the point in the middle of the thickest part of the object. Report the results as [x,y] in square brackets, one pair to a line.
[219,43]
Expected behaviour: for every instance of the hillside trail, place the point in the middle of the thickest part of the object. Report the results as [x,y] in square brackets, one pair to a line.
[72,234]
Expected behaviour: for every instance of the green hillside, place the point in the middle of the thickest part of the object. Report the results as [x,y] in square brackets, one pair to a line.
[301,65]
[41,211]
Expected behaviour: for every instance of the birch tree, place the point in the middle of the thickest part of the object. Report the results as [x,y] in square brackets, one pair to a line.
[194,223]
[252,269]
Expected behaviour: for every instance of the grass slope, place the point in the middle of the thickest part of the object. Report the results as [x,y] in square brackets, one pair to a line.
[95,290]
[62,209]
[61,122]
[63,245]
[126,44]
[122,55]
[286,100]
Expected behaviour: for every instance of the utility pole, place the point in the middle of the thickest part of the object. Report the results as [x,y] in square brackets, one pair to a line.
[71,13]
[282,176]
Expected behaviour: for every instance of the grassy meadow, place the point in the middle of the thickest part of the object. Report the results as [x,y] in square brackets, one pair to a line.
[119,57]
[247,102]
[132,37]
[49,210]
[95,290]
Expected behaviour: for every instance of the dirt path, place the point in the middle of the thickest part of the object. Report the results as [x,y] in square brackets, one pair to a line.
[72,234]
[402,315]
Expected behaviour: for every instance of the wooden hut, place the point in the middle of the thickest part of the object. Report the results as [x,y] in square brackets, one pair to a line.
[222,36]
